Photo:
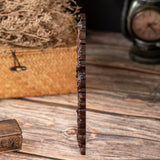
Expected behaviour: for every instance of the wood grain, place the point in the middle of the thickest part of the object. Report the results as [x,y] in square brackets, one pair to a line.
[111,50]
[116,91]
[52,134]
[23,156]
[123,117]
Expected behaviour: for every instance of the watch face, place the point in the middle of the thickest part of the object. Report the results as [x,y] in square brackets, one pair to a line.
[146,24]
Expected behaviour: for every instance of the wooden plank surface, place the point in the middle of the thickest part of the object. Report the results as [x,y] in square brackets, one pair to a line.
[23,156]
[49,131]
[123,117]
[111,50]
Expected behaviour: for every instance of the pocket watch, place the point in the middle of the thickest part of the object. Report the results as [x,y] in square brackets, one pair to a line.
[141,25]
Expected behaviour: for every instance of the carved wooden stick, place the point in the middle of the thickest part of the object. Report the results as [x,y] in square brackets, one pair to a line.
[81,84]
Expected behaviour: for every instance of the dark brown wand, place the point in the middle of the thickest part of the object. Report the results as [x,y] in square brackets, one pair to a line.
[81,84]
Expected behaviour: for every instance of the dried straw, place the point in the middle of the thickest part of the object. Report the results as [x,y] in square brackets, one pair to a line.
[38,23]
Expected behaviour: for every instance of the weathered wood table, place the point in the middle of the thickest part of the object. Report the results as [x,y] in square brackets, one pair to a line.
[123,117]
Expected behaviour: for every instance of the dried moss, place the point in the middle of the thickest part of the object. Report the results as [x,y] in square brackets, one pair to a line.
[38,23]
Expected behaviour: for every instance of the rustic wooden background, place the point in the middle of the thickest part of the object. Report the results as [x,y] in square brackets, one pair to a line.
[123,110]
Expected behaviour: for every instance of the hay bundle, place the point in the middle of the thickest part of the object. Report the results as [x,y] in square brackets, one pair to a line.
[38,23]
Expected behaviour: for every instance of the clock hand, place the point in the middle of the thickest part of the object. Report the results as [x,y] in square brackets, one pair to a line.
[152,28]
[154,23]
[150,25]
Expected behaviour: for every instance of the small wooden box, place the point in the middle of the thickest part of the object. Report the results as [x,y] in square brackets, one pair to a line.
[10,136]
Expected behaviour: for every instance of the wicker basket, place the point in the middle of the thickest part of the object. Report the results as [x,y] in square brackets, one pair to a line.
[49,72]
[50,28]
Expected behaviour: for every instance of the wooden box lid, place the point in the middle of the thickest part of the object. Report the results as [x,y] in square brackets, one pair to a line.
[9,128]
